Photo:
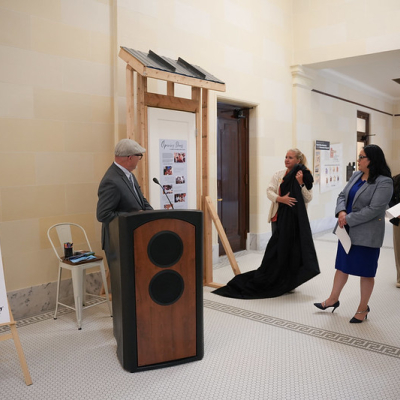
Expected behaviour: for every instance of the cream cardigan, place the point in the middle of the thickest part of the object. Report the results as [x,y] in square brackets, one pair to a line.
[273,193]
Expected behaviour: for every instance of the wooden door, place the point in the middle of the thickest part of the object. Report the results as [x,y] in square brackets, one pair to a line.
[233,174]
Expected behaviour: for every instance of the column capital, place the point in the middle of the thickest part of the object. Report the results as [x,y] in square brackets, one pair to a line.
[301,76]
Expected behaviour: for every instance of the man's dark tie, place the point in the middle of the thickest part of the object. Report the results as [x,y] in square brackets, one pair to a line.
[134,190]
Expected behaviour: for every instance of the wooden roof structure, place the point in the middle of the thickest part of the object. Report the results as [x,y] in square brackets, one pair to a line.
[152,65]
[180,71]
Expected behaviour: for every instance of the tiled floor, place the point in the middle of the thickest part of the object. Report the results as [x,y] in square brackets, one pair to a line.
[282,348]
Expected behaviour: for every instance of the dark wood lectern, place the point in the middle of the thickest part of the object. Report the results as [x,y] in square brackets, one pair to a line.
[156,268]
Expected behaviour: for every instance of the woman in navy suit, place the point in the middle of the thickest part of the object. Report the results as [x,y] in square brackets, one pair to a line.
[360,209]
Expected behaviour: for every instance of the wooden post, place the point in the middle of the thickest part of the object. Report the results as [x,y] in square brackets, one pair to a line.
[141,135]
[204,144]
[196,95]
[130,107]
[208,267]
[170,89]
[210,209]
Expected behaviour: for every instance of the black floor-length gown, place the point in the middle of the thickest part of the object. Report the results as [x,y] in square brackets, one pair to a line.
[290,258]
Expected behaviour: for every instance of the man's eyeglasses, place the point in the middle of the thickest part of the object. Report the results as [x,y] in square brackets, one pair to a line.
[361,157]
[137,155]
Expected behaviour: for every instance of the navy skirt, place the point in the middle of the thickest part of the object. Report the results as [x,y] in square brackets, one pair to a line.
[361,260]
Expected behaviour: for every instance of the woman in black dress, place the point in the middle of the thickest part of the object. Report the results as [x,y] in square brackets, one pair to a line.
[290,258]
[360,210]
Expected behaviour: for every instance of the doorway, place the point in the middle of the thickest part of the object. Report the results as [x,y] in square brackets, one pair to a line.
[233,174]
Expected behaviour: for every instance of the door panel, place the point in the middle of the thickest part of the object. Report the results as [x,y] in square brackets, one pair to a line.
[232,174]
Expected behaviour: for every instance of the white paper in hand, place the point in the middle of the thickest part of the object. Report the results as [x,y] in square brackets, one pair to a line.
[344,238]
[393,212]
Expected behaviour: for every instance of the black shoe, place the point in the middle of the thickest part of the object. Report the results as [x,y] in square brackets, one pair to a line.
[323,306]
[354,320]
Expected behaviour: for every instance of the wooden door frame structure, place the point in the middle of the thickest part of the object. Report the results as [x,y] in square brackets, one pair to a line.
[161,68]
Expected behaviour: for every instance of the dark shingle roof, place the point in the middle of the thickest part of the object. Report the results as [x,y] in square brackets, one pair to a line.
[180,66]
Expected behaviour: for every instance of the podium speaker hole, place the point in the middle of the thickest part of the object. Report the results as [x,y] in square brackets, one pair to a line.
[166,287]
[165,249]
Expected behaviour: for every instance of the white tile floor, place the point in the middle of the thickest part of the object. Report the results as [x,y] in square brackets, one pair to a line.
[281,348]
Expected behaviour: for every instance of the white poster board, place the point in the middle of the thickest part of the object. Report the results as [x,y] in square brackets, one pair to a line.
[328,165]
[174,173]
[179,129]
[4,311]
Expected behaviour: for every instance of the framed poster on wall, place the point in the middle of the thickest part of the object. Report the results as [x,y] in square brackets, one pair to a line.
[328,165]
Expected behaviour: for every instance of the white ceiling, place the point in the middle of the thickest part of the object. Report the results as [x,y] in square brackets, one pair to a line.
[374,72]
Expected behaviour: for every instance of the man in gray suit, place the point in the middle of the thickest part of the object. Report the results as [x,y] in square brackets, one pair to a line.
[119,190]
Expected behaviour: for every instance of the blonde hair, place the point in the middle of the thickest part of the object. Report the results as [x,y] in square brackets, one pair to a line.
[300,156]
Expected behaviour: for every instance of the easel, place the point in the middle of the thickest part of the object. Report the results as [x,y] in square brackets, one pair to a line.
[6,315]
[14,335]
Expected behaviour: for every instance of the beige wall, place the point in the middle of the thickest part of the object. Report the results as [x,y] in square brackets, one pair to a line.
[331,30]
[62,98]
[56,127]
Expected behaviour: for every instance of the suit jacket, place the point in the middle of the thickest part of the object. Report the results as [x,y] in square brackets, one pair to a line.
[367,218]
[116,196]
[395,198]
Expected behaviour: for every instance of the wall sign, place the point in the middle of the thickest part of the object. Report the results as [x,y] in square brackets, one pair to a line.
[174,173]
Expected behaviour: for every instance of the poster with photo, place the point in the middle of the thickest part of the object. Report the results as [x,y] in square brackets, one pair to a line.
[331,173]
[320,145]
[4,312]
[173,164]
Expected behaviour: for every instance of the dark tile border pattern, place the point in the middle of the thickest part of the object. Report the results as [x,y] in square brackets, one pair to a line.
[341,338]
[363,344]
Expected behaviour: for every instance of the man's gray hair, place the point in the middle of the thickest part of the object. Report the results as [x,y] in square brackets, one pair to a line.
[128,147]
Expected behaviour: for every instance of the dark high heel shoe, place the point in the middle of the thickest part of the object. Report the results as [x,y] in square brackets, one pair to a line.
[323,306]
[354,320]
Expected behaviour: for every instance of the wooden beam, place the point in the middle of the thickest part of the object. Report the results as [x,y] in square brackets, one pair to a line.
[132,61]
[204,140]
[130,107]
[141,134]
[222,235]
[181,79]
[203,115]
[207,247]
[196,96]
[170,103]
[170,88]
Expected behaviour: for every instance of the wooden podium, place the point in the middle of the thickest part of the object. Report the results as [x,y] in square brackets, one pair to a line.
[156,270]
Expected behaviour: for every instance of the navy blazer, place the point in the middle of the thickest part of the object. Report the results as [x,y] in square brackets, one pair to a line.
[367,219]
[116,195]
